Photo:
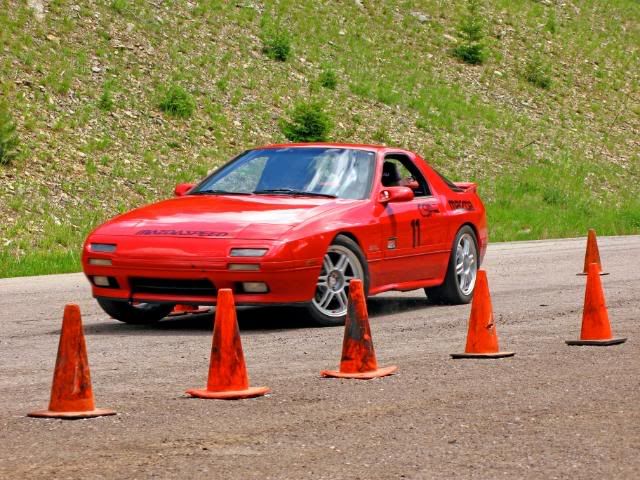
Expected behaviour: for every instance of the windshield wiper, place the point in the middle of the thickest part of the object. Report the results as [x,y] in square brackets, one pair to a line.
[218,192]
[291,191]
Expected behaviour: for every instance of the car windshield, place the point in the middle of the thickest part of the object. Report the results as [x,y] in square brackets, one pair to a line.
[315,171]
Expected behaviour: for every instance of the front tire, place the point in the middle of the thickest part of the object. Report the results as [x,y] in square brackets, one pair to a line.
[460,281]
[140,314]
[343,262]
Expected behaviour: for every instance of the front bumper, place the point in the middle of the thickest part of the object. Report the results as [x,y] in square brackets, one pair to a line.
[287,281]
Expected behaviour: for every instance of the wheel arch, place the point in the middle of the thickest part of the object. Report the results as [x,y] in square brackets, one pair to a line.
[349,235]
[475,232]
[353,237]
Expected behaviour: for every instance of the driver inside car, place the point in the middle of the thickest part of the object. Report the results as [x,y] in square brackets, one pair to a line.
[391,177]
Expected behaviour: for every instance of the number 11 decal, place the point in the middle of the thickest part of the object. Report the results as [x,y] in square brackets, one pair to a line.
[415,228]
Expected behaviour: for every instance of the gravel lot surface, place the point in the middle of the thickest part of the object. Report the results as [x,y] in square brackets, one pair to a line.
[552,411]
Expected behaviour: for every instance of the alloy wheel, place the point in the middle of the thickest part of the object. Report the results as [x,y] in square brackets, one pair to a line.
[466,264]
[339,266]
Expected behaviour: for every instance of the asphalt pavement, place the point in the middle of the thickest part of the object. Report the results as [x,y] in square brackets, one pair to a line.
[552,411]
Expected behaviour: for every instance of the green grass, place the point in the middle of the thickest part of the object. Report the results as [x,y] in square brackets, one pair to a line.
[84,86]
[542,202]
[39,263]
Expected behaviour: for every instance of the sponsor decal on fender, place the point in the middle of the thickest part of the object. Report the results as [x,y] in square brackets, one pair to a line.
[461,205]
[189,233]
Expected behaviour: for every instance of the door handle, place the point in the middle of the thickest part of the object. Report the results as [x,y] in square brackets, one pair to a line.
[428,209]
[433,208]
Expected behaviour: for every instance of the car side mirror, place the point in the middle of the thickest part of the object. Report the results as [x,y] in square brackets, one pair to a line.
[395,195]
[182,188]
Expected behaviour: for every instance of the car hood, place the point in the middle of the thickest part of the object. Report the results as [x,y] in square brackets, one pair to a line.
[220,216]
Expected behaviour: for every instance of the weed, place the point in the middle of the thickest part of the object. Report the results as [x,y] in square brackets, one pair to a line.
[177,102]
[553,196]
[223,84]
[236,97]
[276,40]
[381,136]
[361,89]
[90,167]
[328,79]
[471,30]
[387,94]
[423,124]
[551,26]
[308,123]
[120,6]
[537,72]
[8,136]
[60,80]
[96,144]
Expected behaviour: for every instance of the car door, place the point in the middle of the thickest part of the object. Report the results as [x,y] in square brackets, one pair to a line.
[413,232]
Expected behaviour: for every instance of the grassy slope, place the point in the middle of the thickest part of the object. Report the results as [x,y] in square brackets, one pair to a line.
[550,163]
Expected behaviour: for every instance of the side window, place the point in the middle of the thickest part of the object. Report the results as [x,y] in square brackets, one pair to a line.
[399,170]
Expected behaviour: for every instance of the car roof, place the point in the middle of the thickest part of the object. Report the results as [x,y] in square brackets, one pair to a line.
[358,146]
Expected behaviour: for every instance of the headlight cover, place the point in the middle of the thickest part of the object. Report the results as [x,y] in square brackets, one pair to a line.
[103,247]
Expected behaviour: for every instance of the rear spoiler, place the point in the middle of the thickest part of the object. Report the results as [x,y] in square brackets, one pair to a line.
[467,187]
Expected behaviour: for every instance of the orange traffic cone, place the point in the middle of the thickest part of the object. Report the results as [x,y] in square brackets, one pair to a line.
[482,338]
[71,392]
[228,378]
[595,319]
[592,255]
[358,357]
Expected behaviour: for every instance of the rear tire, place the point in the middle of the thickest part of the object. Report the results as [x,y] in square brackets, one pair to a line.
[459,283]
[343,261]
[141,314]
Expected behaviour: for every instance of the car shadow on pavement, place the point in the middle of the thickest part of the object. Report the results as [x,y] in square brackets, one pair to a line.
[250,319]
[388,305]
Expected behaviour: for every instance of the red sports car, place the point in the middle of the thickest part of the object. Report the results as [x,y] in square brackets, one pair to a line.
[293,224]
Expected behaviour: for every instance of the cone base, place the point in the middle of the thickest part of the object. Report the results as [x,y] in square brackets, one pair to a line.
[584,274]
[250,392]
[98,412]
[597,343]
[380,372]
[483,355]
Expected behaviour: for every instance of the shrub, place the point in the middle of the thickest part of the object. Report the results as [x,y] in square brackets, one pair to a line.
[177,102]
[473,54]
[328,79]
[276,41]
[471,30]
[106,99]
[308,123]
[538,73]
[8,136]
